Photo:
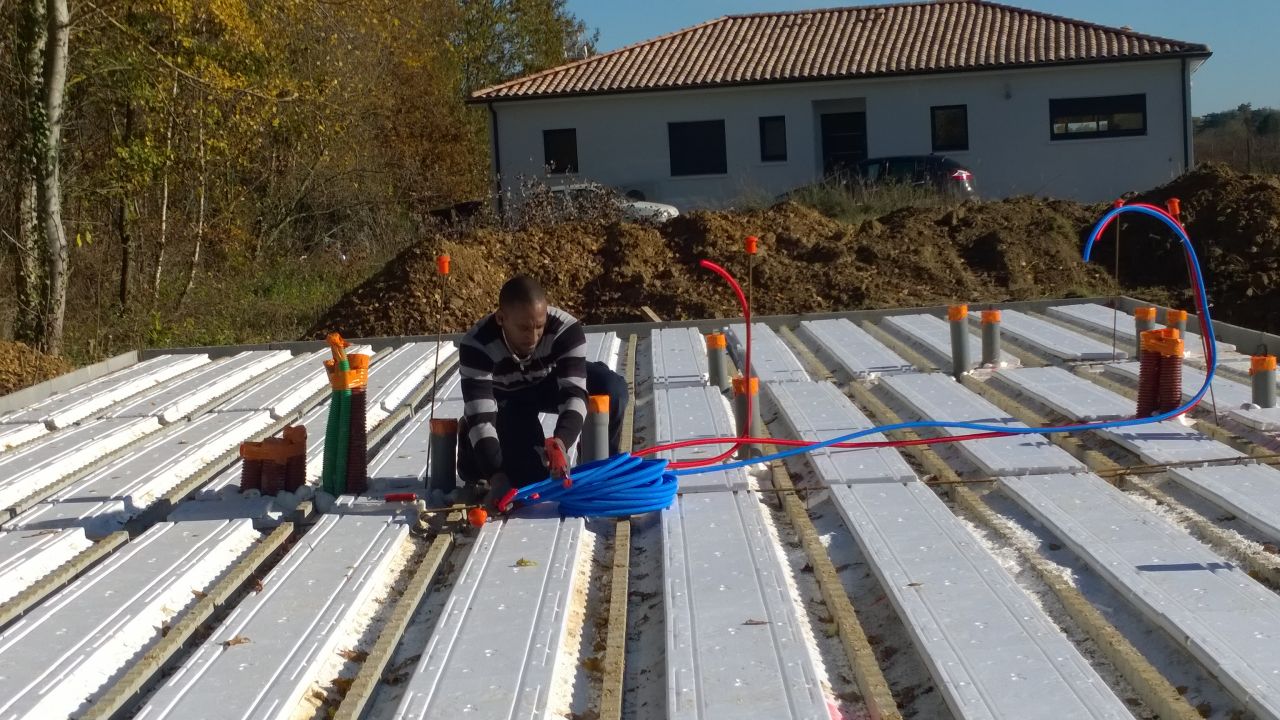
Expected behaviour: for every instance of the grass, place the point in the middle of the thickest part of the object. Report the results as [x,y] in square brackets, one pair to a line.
[859,204]
[263,302]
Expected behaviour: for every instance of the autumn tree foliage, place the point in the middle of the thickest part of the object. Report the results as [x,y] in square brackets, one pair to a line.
[201,137]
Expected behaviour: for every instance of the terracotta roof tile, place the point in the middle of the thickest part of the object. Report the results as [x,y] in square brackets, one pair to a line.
[921,37]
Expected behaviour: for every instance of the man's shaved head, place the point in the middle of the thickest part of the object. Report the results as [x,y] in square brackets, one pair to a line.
[522,314]
[521,290]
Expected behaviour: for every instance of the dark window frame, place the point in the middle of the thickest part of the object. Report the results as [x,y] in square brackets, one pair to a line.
[692,148]
[1096,110]
[765,154]
[933,129]
[549,151]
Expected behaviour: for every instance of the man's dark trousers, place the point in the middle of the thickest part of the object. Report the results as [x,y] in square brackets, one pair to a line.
[520,431]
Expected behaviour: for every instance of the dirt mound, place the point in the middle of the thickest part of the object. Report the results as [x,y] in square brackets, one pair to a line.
[22,366]
[1234,221]
[1012,249]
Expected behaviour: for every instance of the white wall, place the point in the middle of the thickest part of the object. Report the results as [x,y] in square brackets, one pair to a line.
[622,139]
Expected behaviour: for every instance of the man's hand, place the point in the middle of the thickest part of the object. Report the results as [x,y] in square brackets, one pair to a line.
[557,460]
[499,486]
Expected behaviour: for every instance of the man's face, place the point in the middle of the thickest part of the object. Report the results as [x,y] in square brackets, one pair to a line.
[523,325]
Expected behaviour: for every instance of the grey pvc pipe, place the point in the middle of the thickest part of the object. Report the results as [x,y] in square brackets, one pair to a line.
[717,362]
[1264,388]
[754,425]
[1141,325]
[991,343]
[442,475]
[960,345]
[594,444]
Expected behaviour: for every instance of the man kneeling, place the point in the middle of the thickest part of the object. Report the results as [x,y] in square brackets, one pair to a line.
[525,359]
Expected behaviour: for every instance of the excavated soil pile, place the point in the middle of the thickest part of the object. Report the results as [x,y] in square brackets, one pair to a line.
[1234,221]
[1013,249]
[21,366]
[1022,248]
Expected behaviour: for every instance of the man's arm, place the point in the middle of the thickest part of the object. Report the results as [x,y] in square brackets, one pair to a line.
[570,351]
[480,408]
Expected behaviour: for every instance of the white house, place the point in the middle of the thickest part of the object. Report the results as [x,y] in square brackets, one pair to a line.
[755,105]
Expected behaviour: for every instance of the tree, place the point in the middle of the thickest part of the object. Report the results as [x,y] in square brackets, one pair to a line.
[43,44]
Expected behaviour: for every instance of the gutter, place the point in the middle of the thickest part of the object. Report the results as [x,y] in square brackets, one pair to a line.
[1186,116]
[497,154]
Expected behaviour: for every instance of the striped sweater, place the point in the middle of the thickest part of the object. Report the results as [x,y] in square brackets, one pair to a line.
[489,371]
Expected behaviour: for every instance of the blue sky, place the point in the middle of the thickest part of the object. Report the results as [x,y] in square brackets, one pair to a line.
[1245,66]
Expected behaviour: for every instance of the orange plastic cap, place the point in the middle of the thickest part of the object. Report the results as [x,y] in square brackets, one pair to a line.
[477,516]
[1262,363]
[1145,313]
[740,386]
[358,361]
[990,317]
[598,404]
[1119,203]
[296,434]
[336,345]
[753,244]
[444,426]
[1174,206]
[1172,317]
[442,264]
[715,341]
[1166,341]
[957,312]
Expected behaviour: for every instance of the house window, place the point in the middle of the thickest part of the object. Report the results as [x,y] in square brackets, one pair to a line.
[950,128]
[560,151]
[1095,117]
[773,138]
[697,148]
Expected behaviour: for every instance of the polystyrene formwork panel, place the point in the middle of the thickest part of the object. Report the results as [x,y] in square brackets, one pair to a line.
[284,388]
[735,643]
[493,652]
[1170,441]
[603,347]
[401,463]
[12,436]
[991,651]
[179,398]
[938,397]
[60,656]
[25,557]
[401,372]
[819,411]
[685,413]
[771,359]
[1068,393]
[679,357]
[73,405]
[302,616]
[1212,607]
[933,334]
[1104,320]
[106,498]
[39,464]
[852,348]
[1251,492]
[1227,393]
[448,401]
[1258,418]
[1055,340]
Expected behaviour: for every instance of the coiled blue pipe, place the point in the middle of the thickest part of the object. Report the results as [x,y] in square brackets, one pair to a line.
[626,485]
[616,487]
